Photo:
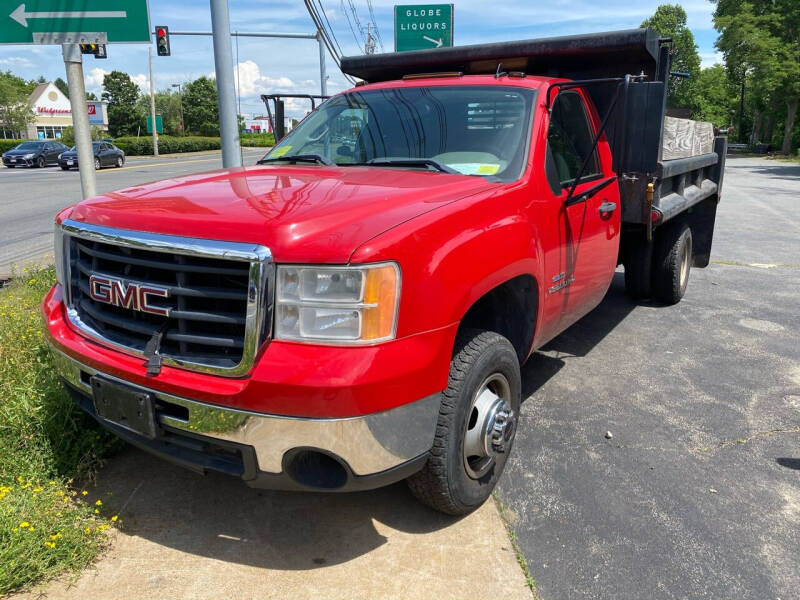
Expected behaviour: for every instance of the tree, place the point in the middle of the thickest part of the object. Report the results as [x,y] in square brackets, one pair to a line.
[121,93]
[15,112]
[91,96]
[200,111]
[715,96]
[669,20]
[760,40]
[62,85]
[168,105]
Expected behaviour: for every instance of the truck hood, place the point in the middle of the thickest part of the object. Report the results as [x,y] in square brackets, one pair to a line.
[302,213]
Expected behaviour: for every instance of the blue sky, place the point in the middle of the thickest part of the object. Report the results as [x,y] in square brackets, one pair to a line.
[268,66]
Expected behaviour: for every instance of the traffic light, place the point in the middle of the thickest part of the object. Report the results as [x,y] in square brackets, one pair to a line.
[162,40]
[99,50]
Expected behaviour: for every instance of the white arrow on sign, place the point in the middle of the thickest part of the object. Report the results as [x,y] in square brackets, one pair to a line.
[21,17]
[438,42]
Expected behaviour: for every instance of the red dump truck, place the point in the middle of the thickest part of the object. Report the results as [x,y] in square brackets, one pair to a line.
[354,310]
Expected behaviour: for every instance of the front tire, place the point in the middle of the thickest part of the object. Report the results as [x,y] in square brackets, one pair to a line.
[40,162]
[476,425]
[673,262]
[120,162]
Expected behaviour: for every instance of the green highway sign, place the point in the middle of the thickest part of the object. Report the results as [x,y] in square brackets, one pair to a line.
[74,21]
[159,124]
[422,26]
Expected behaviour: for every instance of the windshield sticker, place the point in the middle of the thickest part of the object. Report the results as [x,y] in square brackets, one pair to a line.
[278,152]
[475,168]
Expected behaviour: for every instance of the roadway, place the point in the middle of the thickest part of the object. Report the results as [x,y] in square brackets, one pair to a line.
[30,198]
[697,493]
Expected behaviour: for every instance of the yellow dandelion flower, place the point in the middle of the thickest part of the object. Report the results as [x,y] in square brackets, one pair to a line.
[51,482]
[36,490]
[102,527]
[19,479]
[97,512]
[114,518]
[50,544]
[84,493]
[99,503]
[24,524]
[87,530]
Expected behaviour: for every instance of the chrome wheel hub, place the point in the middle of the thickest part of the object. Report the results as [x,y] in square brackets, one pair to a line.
[490,427]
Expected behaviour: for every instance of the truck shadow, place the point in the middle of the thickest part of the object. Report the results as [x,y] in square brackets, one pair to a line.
[579,339]
[220,518]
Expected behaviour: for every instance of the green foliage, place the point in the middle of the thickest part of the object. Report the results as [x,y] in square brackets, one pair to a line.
[715,97]
[15,112]
[68,135]
[62,85]
[168,105]
[670,21]
[46,440]
[143,146]
[124,118]
[257,140]
[9,144]
[759,40]
[200,111]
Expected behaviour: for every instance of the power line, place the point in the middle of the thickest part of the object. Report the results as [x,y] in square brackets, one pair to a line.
[329,29]
[375,23]
[350,23]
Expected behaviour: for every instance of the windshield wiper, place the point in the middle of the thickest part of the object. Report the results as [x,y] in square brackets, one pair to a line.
[296,158]
[410,162]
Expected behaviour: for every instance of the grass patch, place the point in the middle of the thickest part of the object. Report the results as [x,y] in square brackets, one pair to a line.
[46,527]
[512,536]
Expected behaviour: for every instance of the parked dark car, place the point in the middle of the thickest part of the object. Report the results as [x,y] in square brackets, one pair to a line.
[105,155]
[33,154]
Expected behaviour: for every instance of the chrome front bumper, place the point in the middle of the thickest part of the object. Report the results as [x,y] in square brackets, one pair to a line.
[368,444]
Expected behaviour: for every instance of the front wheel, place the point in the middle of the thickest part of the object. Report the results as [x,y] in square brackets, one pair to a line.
[673,262]
[476,425]
[40,162]
[120,162]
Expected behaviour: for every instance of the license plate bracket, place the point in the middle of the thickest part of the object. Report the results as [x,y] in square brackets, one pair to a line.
[124,406]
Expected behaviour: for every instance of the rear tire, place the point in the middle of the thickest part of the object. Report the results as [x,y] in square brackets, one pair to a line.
[476,425]
[65,168]
[673,263]
[40,162]
[96,164]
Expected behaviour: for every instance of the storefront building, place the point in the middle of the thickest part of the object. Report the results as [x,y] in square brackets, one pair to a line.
[54,113]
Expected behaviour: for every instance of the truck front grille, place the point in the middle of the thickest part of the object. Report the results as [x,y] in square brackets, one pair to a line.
[216,299]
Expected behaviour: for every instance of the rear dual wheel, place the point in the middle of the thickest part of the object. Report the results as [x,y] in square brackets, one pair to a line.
[476,425]
[661,269]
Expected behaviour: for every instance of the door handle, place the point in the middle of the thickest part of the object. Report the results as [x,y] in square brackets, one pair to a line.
[607,207]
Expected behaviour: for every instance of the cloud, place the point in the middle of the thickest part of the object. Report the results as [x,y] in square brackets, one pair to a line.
[253,83]
[16,62]
[95,77]
[142,81]
[709,59]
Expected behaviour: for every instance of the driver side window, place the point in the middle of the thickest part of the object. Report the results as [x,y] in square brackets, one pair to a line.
[569,143]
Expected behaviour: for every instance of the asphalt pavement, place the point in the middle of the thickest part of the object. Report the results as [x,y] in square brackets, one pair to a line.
[697,492]
[30,198]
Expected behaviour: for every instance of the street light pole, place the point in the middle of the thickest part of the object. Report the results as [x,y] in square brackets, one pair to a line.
[180,107]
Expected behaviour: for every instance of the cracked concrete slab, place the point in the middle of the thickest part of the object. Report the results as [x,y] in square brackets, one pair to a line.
[188,536]
[696,495]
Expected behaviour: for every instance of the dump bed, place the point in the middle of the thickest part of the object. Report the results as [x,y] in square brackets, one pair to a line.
[625,73]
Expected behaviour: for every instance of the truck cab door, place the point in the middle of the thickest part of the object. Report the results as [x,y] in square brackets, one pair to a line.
[580,267]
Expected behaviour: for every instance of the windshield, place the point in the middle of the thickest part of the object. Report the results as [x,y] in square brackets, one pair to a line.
[29,146]
[472,130]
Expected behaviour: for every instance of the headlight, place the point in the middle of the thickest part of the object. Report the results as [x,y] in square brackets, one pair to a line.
[342,305]
[59,254]
[31,155]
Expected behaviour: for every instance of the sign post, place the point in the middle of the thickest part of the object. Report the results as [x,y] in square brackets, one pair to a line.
[70,23]
[422,26]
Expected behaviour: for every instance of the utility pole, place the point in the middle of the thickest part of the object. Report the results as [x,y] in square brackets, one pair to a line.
[73,64]
[369,45]
[180,107]
[226,92]
[153,103]
[323,76]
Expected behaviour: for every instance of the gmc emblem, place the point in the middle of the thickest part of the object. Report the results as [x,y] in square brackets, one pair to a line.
[135,296]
